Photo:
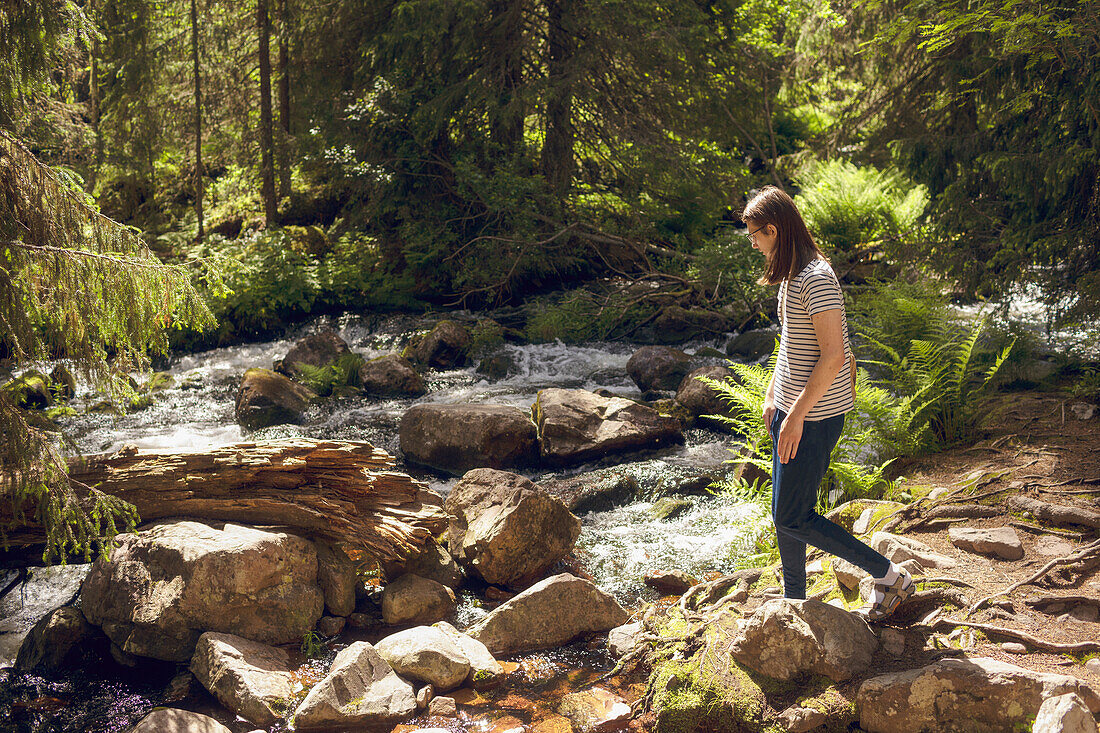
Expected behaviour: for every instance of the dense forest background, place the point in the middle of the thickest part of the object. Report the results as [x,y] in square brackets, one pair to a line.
[434,153]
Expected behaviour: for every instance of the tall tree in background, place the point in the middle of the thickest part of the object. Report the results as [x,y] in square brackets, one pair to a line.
[267,171]
[198,118]
[557,147]
[284,100]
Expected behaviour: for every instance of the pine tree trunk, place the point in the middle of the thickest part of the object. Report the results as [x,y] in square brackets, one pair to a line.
[557,151]
[267,173]
[284,101]
[198,119]
[504,52]
[93,101]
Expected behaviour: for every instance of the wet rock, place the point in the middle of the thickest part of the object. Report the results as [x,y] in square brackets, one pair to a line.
[391,375]
[457,438]
[361,689]
[493,593]
[1002,542]
[172,720]
[658,367]
[166,585]
[674,582]
[496,366]
[700,398]
[443,707]
[337,577]
[797,719]
[433,562]
[752,345]
[485,671]
[575,425]
[899,549]
[668,507]
[621,640]
[548,614]
[315,350]
[594,709]
[251,679]
[31,390]
[786,638]
[179,687]
[427,654]
[675,325]
[969,694]
[62,639]
[506,529]
[444,347]
[124,659]
[63,383]
[331,625]
[596,491]
[552,724]
[414,600]
[1064,714]
[266,398]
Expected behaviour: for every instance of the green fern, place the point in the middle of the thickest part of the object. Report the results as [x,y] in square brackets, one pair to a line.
[325,380]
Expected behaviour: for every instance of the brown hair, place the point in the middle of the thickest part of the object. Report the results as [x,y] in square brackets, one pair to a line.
[795,247]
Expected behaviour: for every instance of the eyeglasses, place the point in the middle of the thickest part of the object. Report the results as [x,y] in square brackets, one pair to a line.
[750,236]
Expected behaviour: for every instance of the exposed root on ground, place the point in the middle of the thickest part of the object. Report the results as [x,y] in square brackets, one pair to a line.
[1081,647]
[1088,552]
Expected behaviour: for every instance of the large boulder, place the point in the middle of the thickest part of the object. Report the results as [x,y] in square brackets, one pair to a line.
[427,654]
[700,398]
[253,680]
[337,577]
[62,639]
[41,591]
[1064,714]
[550,613]
[506,529]
[433,562]
[173,720]
[166,585]
[361,690]
[446,346]
[594,491]
[784,639]
[658,367]
[752,345]
[391,375]
[675,325]
[977,694]
[414,600]
[267,398]
[485,670]
[315,350]
[576,425]
[456,438]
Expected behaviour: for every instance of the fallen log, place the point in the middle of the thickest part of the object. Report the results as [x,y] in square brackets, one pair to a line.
[342,491]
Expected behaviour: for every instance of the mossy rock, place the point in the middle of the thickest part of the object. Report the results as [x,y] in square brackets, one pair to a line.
[159,381]
[847,513]
[672,408]
[31,390]
[669,507]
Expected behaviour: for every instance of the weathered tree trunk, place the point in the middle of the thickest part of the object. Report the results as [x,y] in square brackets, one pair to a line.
[504,51]
[340,490]
[557,150]
[267,171]
[198,118]
[284,101]
[93,100]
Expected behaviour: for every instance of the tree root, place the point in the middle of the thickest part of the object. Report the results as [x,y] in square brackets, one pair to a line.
[1041,602]
[1055,513]
[1087,552]
[923,601]
[1081,647]
[1036,529]
[707,593]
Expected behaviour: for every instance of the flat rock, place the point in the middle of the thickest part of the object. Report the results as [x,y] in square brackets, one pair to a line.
[457,438]
[267,398]
[506,529]
[1064,714]
[360,689]
[550,613]
[1002,542]
[172,720]
[414,600]
[899,549]
[1052,547]
[166,585]
[485,671]
[975,694]
[251,679]
[785,638]
[575,425]
[427,654]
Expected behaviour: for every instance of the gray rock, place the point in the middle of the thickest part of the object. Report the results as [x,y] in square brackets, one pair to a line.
[847,574]
[432,562]
[316,350]
[414,600]
[797,719]
[997,696]
[899,549]
[63,638]
[337,577]
[446,346]
[1002,542]
[457,438]
[1052,547]
[172,720]
[893,641]
[550,613]
[658,367]
[267,398]
[595,491]
[1064,714]
[166,585]
[443,707]
[506,529]
[1014,647]
[391,375]
[424,696]
[786,638]
[1083,410]
[331,625]
[361,689]
[485,671]
[700,398]
[753,345]
[621,640]
[42,590]
[251,679]
[427,654]
[575,425]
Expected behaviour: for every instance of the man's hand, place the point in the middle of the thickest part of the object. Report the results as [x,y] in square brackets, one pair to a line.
[790,433]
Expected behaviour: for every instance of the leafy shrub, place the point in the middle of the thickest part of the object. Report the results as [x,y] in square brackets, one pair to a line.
[727,269]
[344,372]
[892,313]
[582,315]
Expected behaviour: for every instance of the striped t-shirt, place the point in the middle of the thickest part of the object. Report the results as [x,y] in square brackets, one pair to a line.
[811,291]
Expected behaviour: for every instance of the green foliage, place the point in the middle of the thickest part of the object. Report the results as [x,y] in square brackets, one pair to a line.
[312,644]
[727,268]
[855,210]
[325,380]
[583,315]
[485,336]
[887,314]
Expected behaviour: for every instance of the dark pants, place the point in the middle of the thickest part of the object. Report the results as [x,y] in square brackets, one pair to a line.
[794,501]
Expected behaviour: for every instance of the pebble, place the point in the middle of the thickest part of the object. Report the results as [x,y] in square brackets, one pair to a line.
[1093,664]
[1014,647]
